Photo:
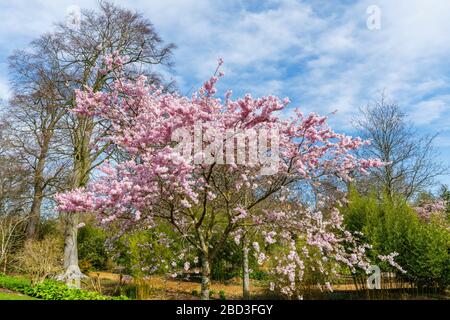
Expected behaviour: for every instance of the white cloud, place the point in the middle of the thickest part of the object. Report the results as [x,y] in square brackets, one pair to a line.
[319,53]
[425,112]
[322,56]
[443,141]
[407,57]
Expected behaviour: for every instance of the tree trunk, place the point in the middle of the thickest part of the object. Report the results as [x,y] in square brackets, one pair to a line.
[72,275]
[5,265]
[245,273]
[206,274]
[70,248]
[35,213]
[38,190]
[80,178]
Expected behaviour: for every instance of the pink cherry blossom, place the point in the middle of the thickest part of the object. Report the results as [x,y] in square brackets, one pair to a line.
[204,202]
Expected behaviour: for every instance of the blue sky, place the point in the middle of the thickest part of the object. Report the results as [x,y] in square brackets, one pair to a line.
[318,53]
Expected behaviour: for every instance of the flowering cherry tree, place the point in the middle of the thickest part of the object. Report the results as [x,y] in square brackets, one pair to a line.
[214,188]
[428,208]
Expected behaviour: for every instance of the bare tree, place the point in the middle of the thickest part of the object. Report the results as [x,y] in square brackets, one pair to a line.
[34,133]
[71,58]
[411,162]
[14,193]
[11,227]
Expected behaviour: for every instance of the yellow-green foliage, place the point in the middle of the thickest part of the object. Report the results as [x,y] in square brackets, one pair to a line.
[390,224]
[91,248]
[148,253]
[41,258]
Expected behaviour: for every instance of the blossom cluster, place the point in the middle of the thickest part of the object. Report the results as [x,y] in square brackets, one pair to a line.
[426,209]
[313,243]
[390,259]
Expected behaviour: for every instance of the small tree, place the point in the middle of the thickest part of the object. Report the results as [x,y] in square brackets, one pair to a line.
[411,162]
[11,234]
[14,193]
[215,183]
[41,258]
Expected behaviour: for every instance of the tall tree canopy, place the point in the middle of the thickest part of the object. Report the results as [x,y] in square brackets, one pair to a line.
[411,162]
[45,77]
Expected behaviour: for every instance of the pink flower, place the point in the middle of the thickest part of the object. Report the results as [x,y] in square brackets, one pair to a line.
[390,259]
[242,214]
[185,203]
[269,237]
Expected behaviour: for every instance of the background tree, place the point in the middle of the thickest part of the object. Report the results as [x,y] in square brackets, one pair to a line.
[35,112]
[69,58]
[411,162]
[14,198]
[444,194]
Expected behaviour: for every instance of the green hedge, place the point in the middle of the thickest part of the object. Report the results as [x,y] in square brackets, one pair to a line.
[390,224]
[91,248]
[51,290]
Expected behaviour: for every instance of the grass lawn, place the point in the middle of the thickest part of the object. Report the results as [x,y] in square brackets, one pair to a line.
[14,296]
